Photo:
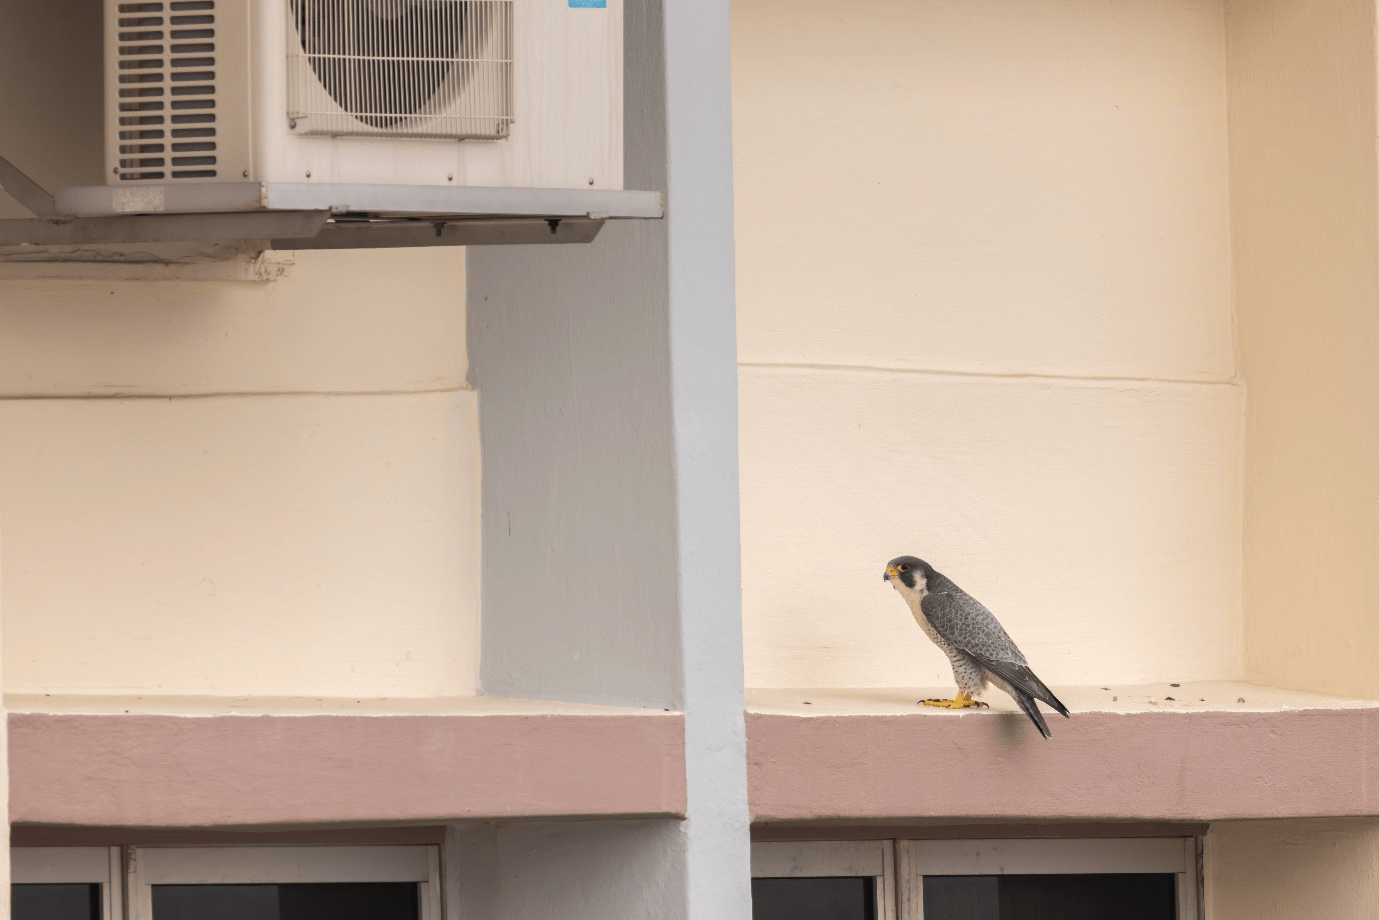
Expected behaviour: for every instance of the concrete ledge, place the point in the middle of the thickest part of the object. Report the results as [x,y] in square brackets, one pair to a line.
[142,770]
[829,761]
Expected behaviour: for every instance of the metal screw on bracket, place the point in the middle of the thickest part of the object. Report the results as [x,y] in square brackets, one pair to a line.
[591,180]
[292,122]
[245,174]
[308,174]
[450,177]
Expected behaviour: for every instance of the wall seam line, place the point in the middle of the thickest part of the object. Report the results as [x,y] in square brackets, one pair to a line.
[1074,378]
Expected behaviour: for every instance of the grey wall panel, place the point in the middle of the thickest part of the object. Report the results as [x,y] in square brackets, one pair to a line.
[569,352]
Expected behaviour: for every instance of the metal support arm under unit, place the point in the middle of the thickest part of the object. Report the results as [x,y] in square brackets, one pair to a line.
[392,234]
[301,216]
[292,230]
[161,228]
[25,190]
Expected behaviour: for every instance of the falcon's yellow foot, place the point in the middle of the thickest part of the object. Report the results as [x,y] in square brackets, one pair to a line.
[963,701]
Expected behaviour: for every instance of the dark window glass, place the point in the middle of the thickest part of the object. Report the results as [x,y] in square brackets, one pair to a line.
[813,899]
[215,902]
[392,901]
[962,897]
[340,901]
[1139,896]
[55,902]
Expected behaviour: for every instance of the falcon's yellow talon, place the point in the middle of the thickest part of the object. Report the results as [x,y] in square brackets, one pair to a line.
[963,701]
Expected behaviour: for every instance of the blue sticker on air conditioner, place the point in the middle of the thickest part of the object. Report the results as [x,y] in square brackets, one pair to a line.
[588,4]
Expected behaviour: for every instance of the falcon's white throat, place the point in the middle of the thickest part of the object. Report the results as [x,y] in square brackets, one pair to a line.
[912,595]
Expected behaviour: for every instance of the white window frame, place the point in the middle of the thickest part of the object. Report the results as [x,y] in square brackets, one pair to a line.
[257,865]
[832,858]
[918,858]
[72,866]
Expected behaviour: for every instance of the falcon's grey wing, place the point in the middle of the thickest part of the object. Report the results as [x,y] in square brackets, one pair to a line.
[969,627]
[962,620]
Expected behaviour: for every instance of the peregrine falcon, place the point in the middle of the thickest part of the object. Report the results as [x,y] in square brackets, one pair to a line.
[969,635]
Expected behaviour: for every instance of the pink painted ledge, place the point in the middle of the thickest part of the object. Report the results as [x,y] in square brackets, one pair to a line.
[806,763]
[146,770]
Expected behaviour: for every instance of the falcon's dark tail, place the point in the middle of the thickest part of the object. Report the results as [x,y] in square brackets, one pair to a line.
[1031,708]
[1036,685]
[1026,688]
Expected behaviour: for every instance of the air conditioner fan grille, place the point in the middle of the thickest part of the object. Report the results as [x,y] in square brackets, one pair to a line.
[400,68]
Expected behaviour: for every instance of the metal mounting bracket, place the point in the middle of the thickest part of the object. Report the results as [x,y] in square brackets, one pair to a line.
[161,228]
[391,234]
[322,216]
[25,190]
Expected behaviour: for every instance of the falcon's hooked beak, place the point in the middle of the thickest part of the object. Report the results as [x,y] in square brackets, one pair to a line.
[891,572]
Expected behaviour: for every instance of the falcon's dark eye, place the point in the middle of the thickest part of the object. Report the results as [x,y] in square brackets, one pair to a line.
[904,567]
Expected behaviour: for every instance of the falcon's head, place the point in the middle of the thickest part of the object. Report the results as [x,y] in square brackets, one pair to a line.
[905,570]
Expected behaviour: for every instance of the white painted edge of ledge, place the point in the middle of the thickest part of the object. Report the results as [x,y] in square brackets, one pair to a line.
[1187,697]
[207,706]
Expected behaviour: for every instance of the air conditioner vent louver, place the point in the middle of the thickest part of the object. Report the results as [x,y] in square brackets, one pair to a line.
[400,68]
[167,90]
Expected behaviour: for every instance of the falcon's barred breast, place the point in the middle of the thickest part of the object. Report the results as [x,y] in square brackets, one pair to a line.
[977,646]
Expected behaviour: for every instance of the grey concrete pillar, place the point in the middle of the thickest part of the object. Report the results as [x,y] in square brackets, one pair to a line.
[607,385]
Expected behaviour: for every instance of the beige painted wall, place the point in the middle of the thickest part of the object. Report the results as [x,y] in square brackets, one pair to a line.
[337,322]
[1059,505]
[1302,118]
[241,488]
[985,317]
[1281,870]
[1012,186]
[220,486]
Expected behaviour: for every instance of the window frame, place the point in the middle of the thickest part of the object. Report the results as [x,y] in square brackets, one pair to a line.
[268,865]
[873,859]
[73,866]
[1067,856]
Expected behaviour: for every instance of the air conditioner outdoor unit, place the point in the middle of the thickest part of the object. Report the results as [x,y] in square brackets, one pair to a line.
[460,93]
